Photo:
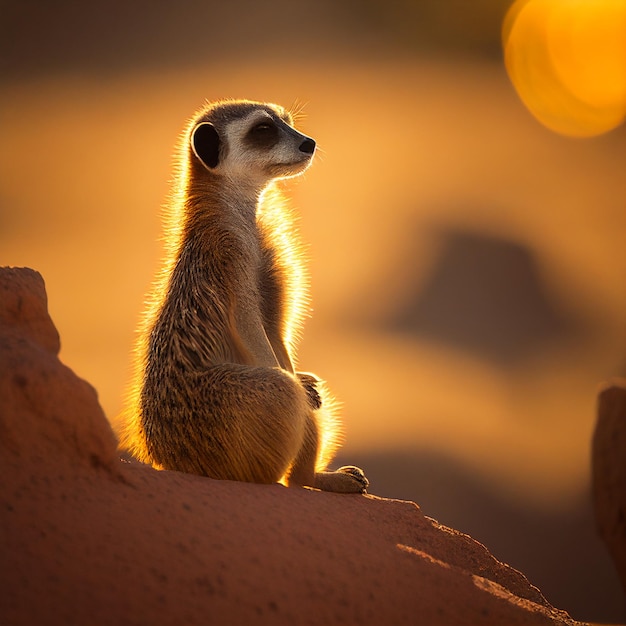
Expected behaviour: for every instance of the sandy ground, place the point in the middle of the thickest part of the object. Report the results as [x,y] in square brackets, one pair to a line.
[420,165]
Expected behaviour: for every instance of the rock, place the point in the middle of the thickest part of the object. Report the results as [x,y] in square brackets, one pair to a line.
[89,539]
[609,473]
[48,415]
[24,308]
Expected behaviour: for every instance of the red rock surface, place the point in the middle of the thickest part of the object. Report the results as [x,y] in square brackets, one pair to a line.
[609,473]
[89,539]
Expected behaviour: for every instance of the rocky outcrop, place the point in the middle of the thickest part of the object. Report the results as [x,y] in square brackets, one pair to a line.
[89,539]
[609,473]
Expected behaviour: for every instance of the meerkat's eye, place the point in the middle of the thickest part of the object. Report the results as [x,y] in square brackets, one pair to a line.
[263,135]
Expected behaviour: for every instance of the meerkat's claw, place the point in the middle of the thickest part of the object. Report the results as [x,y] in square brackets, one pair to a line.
[347,479]
[358,474]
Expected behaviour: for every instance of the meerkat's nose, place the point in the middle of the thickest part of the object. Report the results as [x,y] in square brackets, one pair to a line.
[307,146]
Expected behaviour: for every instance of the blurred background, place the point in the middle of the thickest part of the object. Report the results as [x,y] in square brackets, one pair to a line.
[464,219]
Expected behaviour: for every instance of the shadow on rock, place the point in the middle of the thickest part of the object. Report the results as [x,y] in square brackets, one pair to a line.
[559,551]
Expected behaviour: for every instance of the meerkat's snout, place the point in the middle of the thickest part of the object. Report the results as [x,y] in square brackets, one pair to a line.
[307,146]
[292,154]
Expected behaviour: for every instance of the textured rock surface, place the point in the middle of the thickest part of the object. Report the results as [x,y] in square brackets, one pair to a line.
[609,473]
[88,539]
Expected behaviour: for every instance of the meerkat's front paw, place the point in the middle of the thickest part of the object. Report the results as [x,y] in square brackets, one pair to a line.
[347,479]
[309,382]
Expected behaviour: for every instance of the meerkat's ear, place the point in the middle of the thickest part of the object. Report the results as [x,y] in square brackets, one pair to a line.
[206,144]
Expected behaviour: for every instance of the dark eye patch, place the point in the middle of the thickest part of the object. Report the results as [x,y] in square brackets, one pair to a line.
[262,135]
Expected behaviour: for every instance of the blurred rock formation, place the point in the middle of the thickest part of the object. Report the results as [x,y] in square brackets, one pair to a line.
[484,295]
[609,473]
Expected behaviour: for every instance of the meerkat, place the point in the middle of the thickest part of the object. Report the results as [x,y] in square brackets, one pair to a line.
[215,391]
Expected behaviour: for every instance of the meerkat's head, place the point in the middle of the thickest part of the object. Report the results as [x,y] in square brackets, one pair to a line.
[250,142]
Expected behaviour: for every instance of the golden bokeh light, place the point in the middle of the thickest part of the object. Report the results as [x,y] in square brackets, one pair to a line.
[567,61]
